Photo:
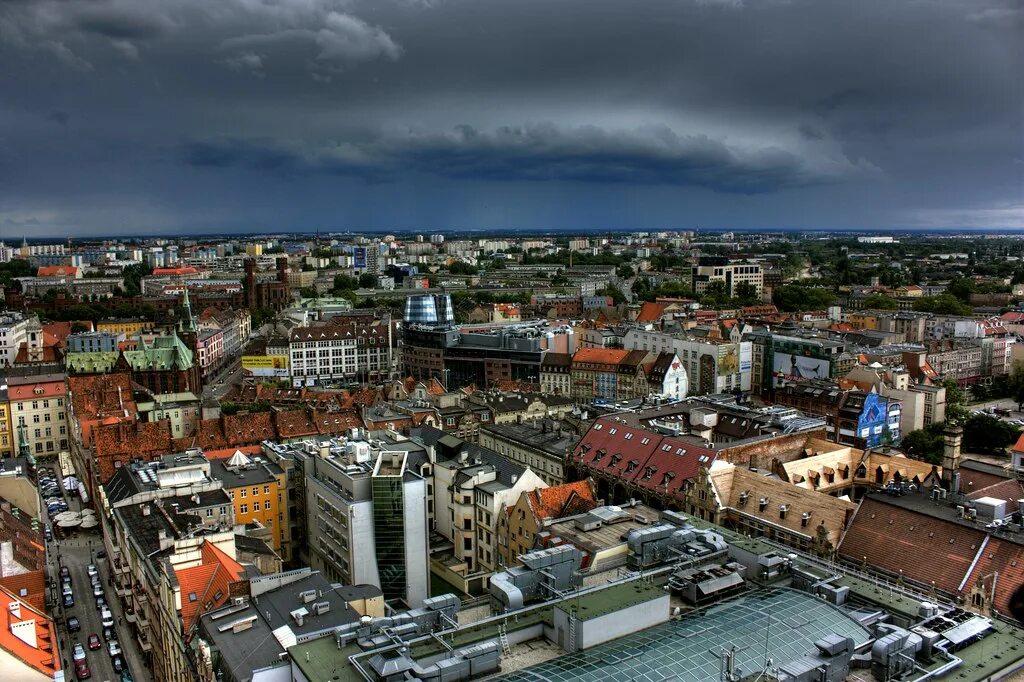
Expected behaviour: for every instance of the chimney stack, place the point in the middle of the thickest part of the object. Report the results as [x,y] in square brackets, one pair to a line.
[952,438]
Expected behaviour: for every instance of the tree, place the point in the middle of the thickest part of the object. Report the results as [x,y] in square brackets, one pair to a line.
[925,444]
[745,293]
[133,275]
[880,302]
[309,292]
[797,298]
[616,294]
[624,271]
[462,268]
[943,304]
[78,328]
[368,280]
[345,283]
[962,288]
[714,294]
[956,401]
[986,433]
[1016,384]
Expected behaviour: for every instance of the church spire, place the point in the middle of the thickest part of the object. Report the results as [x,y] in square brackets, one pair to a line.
[190,322]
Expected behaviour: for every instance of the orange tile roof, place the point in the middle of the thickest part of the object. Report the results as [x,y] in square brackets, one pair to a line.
[604,356]
[1019,445]
[57,271]
[41,657]
[209,581]
[563,500]
[650,312]
[226,453]
[1003,562]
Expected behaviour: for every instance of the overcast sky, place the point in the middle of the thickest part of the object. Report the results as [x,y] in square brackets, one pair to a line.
[124,116]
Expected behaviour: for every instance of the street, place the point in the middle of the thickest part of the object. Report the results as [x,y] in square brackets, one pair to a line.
[77,552]
[221,383]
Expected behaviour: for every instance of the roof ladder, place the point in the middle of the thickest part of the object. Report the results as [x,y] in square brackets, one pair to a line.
[503,639]
[571,642]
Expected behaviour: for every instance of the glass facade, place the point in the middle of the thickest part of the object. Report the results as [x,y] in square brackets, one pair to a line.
[430,309]
[778,624]
[389,534]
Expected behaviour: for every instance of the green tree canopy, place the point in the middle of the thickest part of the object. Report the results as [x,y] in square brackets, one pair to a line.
[880,302]
[943,304]
[798,298]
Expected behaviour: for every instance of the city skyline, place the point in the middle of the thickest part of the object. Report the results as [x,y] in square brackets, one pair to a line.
[127,118]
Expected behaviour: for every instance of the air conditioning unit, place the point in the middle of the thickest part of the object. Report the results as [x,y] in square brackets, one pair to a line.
[307,596]
[321,607]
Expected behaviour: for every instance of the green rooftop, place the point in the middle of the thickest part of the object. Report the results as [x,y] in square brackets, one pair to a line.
[321,660]
[615,598]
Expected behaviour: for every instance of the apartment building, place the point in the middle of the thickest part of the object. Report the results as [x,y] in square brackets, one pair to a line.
[367,514]
[38,413]
[95,342]
[608,374]
[257,489]
[542,446]
[13,332]
[7,441]
[341,350]
[556,373]
[712,364]
[729,272]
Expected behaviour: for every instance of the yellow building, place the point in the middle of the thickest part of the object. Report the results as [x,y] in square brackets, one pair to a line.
[126,327]
[258,490]
[7,448]
[863,321]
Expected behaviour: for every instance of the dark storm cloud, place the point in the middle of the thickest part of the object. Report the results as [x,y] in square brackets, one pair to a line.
[758,110]
[654,155]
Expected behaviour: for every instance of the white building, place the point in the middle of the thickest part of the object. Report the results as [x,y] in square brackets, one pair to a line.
[13,332]
[712,365]
[340,351]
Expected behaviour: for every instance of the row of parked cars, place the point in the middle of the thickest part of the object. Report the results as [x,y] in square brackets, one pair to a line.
[49,488]
[93,641]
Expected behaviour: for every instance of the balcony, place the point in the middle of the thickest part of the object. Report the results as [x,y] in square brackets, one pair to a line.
[144,644]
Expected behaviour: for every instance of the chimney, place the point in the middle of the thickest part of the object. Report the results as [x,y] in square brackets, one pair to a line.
[952,438]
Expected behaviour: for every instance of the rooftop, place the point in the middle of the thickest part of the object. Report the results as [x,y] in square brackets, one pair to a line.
[779,624]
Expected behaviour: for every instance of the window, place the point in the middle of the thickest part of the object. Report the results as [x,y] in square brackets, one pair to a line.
[266,490]
[255,490]
[209,512]
[192,596]
[244,509]
[256,506]
[244,492]
[628,436]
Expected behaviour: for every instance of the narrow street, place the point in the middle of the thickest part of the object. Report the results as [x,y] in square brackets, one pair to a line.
[77,552]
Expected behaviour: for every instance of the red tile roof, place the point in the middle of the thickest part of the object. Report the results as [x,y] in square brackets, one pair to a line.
[1009,490]
[46,389]
[127,440]
[1001,561]
[295,424]
[601,356]
[249,429]
[922,547]
[209,581]
[559,501]
[673,463]
[41,657]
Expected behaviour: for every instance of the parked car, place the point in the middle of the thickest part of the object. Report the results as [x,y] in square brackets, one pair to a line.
[108,634]
[101,602]
[94,642]
[69,601]
[65,572]
[78,653]
[118,663]
[47,533]
[97,590]
[73,624]
[114,648]
[106,617]
[93,571]
[82,671]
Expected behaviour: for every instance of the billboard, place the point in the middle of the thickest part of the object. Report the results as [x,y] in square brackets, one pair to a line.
[266,365]
[746,357]
[728,360]
[798,367]
[359,258]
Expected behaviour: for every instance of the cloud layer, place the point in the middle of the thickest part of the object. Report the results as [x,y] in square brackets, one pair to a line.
[127,115]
